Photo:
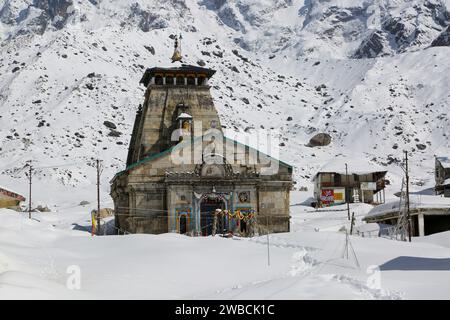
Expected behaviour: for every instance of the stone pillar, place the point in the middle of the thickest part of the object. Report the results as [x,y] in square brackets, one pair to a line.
[198,225]
[206,81]
[171,212]
[164,80]
[421,220]
[174,221]
[185,81]
[152,81]
[196,81]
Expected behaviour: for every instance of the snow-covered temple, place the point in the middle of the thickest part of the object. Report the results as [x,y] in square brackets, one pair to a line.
[184,176]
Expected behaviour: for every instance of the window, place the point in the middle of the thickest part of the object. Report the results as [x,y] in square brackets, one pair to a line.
[159,80]
[169,81]
[337,179]
[180,81]
[201,81]
[191,81]
[326,177]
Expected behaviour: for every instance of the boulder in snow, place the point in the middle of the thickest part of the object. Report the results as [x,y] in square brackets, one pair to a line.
[320,140]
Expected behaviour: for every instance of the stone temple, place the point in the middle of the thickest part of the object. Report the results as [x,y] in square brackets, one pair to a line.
[181,170]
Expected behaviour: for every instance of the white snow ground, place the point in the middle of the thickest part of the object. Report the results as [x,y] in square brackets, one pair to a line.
[306,263]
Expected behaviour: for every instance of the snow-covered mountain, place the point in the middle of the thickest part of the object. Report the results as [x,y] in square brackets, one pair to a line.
[373,74]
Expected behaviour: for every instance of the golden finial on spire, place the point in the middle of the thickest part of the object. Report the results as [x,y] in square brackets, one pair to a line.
[177,52]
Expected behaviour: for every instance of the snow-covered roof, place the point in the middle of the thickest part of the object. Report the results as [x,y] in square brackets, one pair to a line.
[416,202]
[11,194]
[184,116]
[353,166]
[446,182]
[445,162]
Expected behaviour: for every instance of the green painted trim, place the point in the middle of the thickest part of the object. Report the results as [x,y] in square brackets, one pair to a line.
[180,145]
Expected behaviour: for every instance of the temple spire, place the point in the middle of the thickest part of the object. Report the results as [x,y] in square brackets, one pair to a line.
[177,51]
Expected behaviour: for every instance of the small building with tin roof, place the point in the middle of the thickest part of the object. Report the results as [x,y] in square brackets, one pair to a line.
[345,180]
[10,199]
[442,176]
[429,214]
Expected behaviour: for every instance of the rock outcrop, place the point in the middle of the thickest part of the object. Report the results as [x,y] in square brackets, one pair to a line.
[320,140]
[443,40]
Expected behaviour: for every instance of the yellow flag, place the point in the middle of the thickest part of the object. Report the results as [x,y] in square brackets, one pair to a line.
[94,223]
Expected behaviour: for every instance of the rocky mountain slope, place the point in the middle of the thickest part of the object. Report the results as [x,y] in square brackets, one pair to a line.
[374,76]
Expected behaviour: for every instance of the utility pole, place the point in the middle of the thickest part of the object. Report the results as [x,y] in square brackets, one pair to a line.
[347,196]
[353,222]
[345,253]
[407,196]
[29,196]
[98,197]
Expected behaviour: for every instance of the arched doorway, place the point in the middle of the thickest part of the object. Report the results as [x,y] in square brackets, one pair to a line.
[208,206]
[182,224]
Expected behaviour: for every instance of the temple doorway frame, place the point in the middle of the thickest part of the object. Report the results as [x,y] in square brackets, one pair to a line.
[220,198]
[225,197]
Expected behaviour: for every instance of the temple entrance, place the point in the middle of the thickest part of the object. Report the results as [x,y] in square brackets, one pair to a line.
[243,227]
[207,208]
[182,224]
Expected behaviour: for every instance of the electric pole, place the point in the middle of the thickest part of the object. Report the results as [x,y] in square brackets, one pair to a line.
[98,197]
[407,196]
[29,196]
[347,196]
[353,222]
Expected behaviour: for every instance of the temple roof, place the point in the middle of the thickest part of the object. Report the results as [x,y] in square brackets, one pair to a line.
[183,144]
[185,69]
